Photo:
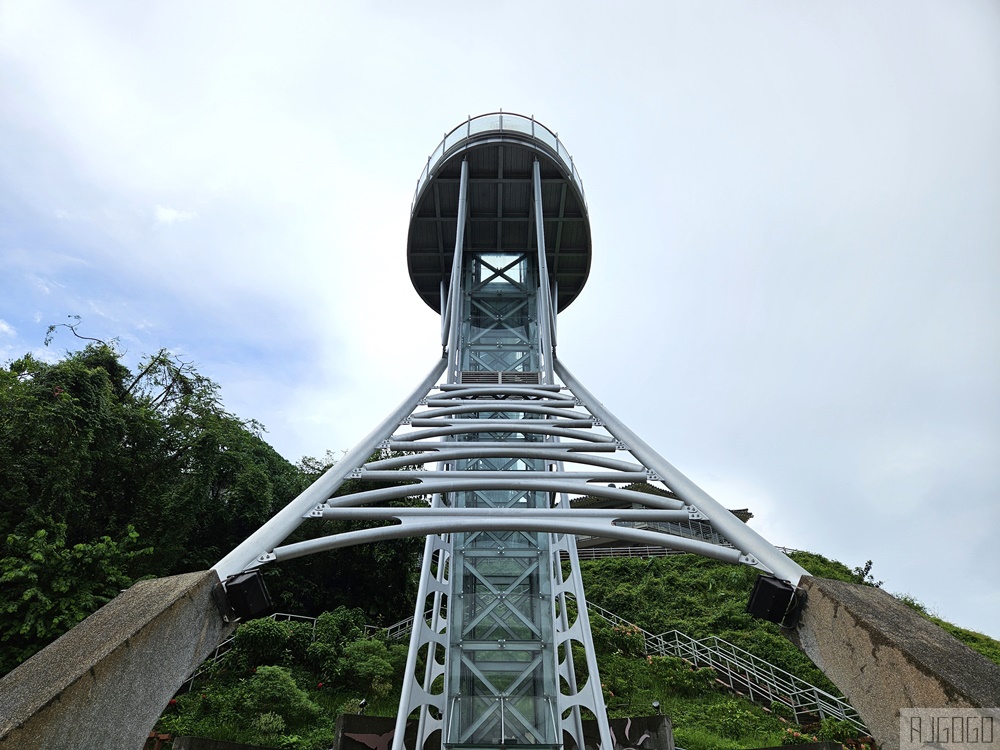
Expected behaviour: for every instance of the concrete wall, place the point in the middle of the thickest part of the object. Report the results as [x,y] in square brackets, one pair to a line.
[885,656]
[103,684]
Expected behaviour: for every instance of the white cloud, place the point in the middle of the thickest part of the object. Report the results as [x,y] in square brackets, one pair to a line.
[100,309]
[168,216]
[6,329]
[45,354]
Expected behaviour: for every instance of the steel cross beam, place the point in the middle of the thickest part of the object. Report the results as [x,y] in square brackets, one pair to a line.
[678,502]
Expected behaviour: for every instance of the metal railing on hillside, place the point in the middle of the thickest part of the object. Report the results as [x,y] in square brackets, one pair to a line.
[746,674]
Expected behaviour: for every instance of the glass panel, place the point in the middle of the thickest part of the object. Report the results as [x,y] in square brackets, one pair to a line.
[454,137]
[485,123]
[545,136]
[436,156]
[517,124]
[498,268]
[561,149]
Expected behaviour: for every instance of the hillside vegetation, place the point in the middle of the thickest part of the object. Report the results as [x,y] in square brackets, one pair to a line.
[310,681]
[109,474]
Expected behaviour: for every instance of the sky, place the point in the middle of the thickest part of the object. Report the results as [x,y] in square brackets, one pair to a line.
[795,207]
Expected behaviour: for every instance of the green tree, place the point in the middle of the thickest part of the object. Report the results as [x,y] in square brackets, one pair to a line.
[92,451]
[49,586]
[97,447]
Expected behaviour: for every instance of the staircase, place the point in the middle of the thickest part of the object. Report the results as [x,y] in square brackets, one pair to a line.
[746,674]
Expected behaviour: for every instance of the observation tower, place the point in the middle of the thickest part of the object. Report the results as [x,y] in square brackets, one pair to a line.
[499,439]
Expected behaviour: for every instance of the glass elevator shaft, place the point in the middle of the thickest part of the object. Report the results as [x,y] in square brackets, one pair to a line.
[501,685]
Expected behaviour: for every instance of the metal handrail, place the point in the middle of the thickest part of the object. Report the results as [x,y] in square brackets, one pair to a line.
[595,553]
[498,122]
[734,666]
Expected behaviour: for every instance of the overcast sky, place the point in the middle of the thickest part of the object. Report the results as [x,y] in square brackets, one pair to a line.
[795,291]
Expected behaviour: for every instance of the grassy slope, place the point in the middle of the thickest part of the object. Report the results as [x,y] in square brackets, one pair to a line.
[697,596]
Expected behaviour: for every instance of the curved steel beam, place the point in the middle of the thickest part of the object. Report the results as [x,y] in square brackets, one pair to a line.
[472,391]
[427,476]
[631,515]
[558,409]
[552,526]
[513,483]
[544,451]
[516,425]
[486,425]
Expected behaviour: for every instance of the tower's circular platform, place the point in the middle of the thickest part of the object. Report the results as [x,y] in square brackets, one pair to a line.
[501,148]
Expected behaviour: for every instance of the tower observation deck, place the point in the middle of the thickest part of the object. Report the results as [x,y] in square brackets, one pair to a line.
[496,442]
[500,150]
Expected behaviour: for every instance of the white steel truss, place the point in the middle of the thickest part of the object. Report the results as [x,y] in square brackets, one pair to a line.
[588,444]
[578,449]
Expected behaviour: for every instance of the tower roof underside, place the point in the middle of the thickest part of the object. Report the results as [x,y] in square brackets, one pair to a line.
[501,150]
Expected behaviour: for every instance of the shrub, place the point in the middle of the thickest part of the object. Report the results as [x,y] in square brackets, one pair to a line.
[672,676]
[299,636]
[628,640]
[272,690]
[835,730]
[735,719]
[367,667]
[339,626]
[269,723]
[262,641]
[324,659]
[793,736]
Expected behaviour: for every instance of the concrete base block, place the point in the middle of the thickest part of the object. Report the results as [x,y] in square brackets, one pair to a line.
[103,684]
[884,656]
